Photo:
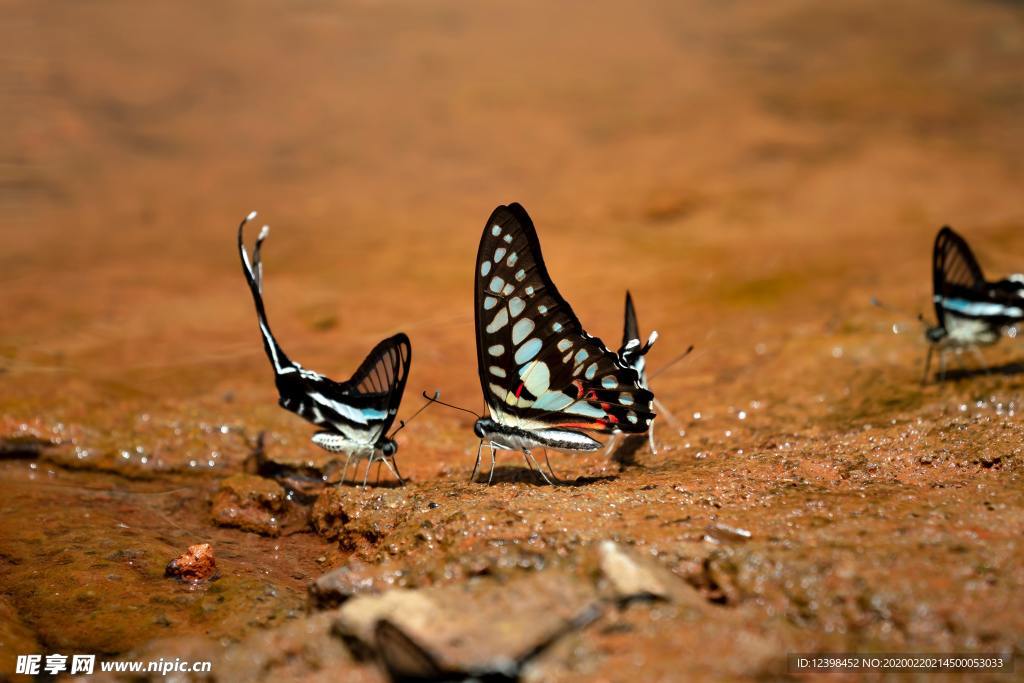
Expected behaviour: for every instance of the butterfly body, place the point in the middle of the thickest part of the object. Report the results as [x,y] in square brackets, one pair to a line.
[335,442]
[510,438]
[959,331]
[970,310]
[354,415]
[544,379]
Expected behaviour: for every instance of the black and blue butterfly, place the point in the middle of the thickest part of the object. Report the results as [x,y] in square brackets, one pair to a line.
[971,311]
[354,416]
[546,382]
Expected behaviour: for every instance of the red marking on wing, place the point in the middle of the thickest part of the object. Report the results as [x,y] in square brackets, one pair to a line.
[519,389]
[599,424]
[579,388]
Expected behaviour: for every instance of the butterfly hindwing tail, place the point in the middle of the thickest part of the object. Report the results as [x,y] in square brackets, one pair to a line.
[631,328]
[253,273]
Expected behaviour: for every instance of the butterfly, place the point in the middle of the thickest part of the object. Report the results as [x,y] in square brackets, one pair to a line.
[971,311]
[545,380]
[354,415]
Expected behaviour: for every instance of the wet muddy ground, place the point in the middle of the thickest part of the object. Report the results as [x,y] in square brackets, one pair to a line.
[754,174]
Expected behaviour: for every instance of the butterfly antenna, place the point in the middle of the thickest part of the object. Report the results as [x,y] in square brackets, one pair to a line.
[403,423]
[672,362]
[898,311]
[434,399]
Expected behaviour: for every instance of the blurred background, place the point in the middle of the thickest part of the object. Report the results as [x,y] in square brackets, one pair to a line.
[732,163]
[754,172]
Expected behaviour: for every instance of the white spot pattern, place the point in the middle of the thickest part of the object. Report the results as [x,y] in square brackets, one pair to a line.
[521,329]
[528,350]
[500,320]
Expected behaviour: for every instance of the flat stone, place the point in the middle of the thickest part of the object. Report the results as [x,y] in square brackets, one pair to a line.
[356,578]
[723,533]
[484,626]
[633,577]
[301,650]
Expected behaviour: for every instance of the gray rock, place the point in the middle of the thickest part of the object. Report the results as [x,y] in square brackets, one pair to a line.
[338,585]
[723,533]
[631,577]
[485,626]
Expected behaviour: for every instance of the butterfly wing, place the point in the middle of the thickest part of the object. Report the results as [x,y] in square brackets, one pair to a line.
[961,289]
[537,366]
[379,383]
[956,274]
[362,408]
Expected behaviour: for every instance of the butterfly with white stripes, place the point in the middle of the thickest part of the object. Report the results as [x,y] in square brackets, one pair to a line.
[545,380]
[354,416]
[971,310]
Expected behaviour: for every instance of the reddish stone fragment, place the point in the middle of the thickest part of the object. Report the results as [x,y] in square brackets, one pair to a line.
[195,564]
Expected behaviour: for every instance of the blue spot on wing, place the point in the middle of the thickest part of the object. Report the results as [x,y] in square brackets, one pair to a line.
[980,308]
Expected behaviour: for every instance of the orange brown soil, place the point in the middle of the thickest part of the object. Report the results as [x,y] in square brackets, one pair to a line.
[753,172]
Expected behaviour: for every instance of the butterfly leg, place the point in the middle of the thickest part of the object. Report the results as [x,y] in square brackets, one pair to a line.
[548,463]
[533,464]
[650,437]
[662,410]
[479,450]
[393,466]
[379,463]
[490,477]
[366,475]
[942,365]
[612,443]
[927,365]
[344,472]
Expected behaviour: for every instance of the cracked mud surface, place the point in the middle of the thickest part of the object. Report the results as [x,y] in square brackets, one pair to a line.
[754,175]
